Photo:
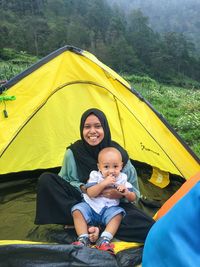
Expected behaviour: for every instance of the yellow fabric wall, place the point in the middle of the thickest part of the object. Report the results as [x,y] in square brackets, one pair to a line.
[44,118]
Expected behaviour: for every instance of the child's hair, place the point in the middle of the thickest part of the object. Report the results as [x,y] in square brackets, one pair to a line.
[107,150]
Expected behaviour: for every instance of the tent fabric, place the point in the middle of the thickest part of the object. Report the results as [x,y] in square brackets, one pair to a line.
[56,255]
[18,204]
[43,119]
[174,239]
[184,189]
[32,245]
[17,210]
[159,178]
[50,98]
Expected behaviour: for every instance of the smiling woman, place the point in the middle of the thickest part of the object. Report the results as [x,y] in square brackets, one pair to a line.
[92,131]
[57,194]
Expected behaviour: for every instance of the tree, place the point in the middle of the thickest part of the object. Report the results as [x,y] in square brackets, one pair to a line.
[140,36]
[179,49]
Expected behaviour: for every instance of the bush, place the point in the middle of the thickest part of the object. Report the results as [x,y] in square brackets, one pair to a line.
[179,106]
[139,79]
[8,70]
[13,63]
[185,82]
[8,54]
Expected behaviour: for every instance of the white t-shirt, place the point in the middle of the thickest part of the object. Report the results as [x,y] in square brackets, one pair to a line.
[98,203]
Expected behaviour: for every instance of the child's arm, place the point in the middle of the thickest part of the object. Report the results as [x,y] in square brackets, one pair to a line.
[130,196]
[95,190]
[131,173]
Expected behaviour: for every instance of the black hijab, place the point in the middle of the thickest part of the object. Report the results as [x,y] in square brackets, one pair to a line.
[85,155]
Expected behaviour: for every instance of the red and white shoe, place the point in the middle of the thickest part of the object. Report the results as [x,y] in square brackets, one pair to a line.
[104,244]
[82,241]
[107,247]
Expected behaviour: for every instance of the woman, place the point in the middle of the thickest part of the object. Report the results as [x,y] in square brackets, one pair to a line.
[58,193]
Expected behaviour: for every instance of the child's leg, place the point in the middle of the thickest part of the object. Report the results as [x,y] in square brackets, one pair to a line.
[110,230]
[103,243]
[81,228]
[80,223]
[113,224]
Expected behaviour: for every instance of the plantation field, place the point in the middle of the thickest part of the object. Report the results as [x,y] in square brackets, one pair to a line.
[14,63]
[179,106]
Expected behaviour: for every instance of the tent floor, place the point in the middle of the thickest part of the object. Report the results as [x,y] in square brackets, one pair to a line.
[17,211]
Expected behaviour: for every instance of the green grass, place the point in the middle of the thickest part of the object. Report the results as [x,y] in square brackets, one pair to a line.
[179,106]
[13,63]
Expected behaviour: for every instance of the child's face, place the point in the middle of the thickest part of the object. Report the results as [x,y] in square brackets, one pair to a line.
[110,163]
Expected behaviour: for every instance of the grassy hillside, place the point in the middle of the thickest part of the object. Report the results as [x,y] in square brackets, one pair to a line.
[12,63]
[179,106]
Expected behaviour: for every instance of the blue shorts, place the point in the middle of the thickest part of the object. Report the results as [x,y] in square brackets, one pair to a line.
[93,218]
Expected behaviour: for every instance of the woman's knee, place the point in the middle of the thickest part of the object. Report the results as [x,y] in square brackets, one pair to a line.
[46,178]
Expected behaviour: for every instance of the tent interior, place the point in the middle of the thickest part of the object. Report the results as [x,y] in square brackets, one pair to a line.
[44,119]
[18,196]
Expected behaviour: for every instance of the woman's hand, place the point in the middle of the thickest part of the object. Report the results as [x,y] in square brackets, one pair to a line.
[83,189]
[111,193]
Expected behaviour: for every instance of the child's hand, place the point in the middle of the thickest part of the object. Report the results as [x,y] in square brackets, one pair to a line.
[109,180]
[122,189]
[130,196]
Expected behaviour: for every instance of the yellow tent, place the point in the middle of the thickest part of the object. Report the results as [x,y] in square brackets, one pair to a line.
[40,115]
[50,98]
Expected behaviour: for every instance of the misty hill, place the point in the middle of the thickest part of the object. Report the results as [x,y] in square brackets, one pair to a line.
[121,36]
[168,15]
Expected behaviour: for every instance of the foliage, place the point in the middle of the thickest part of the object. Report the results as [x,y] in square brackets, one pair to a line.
[179,106]
[123,40]
[13,63]
[168,16]
[8,54]
[146,80]
[183,81]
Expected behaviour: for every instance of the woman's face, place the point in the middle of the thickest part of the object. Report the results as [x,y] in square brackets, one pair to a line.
[93,132]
